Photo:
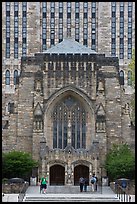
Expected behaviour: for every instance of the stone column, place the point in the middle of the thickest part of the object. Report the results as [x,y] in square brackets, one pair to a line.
[43,167]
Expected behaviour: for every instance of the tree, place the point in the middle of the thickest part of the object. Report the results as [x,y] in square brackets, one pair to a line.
[17,164]
[132,68]
[120,162]
[132,103]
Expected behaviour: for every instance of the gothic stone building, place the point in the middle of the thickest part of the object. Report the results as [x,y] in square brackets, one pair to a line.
[68,111]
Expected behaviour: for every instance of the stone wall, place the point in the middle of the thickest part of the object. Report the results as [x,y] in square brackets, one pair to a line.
[14,187]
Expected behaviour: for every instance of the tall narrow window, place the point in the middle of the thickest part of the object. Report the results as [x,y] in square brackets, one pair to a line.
[16,27]
[60,21]
[129,78]
[7,29]
[77,21]
[7,77]
[85,23]
[113,29]
[15,77]
[93,26]
[44,25]
[121,74]
[129,30]
[121,43]
[24,28]
[52,23]
[68,19]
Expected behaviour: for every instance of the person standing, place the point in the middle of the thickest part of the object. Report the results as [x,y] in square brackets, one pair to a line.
[96,183]
[93,182]
[44,182]
[81,183]
[85,184]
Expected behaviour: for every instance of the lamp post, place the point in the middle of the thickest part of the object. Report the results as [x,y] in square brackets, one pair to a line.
[101,178]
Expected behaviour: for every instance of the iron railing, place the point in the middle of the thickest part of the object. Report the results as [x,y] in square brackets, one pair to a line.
[22,192]
[122,193]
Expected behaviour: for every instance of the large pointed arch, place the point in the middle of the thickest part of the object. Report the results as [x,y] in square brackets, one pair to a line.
[85,102]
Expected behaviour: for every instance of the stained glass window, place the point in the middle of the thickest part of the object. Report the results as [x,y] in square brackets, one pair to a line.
[69,116]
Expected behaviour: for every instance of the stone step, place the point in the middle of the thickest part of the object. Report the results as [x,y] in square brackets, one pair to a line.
[69,198]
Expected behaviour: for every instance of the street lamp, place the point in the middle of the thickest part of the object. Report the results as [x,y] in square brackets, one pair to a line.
[101,178]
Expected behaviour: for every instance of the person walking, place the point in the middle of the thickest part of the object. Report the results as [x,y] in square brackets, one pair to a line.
[81,183]
[43,185]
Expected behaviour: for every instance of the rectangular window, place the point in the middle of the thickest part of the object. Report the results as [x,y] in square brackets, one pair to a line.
[129,30]
[77,21]
[44,16]
[7,29]
[68,19]
[60,15]
[121,51]
[16,7]
[93,26]
[113,28]
[52,23]
[24,28]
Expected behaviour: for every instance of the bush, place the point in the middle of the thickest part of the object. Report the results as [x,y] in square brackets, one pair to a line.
[17,164]
[5,180]
[120,162]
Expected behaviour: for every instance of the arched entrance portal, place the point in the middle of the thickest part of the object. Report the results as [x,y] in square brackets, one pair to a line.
[57,175]
[79,171]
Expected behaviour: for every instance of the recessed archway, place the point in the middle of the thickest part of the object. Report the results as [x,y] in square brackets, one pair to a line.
[57,175]
[80,170]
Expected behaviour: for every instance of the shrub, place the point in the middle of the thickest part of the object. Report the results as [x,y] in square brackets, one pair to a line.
[120,162]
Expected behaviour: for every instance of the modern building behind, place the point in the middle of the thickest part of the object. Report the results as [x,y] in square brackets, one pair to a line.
[37,40]
[29,27]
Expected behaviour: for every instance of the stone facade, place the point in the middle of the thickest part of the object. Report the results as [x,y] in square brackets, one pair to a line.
[69,73]
[86,88]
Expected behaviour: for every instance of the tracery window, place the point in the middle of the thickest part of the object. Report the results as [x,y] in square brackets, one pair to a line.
[7,77]
[129,78]
[121,74]
[15,77]
[69,116]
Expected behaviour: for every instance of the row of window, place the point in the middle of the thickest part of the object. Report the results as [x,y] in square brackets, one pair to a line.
[85,26]
[16,29]
[129,77]
[121,34]
[7,77]
[121,74]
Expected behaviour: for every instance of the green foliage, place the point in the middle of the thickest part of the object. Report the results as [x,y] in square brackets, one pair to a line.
[4,180]
[120,162]
[17,164]
[132,67]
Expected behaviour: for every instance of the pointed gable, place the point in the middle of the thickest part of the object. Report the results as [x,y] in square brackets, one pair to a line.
[100,110]
[38,110]
[68,46]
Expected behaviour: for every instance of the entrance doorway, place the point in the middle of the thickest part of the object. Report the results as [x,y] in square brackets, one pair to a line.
[79,171]
[57,175]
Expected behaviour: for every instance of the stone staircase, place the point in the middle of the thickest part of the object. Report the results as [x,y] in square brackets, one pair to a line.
[69,198]
[69,194]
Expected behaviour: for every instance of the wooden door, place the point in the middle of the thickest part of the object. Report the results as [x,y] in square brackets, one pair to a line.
[57,175]
[79,171]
